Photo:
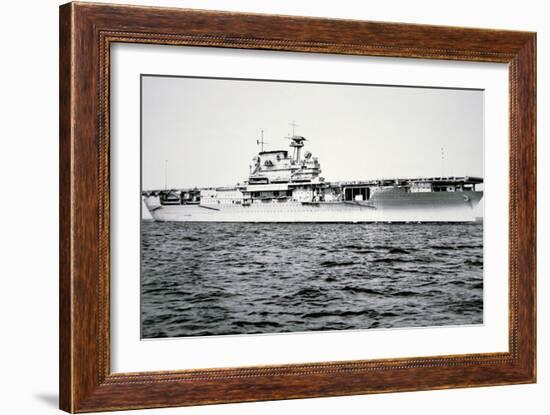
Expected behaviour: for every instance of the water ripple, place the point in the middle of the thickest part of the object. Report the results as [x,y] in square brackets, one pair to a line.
[222,278]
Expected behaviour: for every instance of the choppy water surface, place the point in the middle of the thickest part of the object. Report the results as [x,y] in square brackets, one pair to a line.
[222,278]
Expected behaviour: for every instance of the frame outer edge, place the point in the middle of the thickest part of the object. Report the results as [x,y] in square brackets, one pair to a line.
[66,120]
[534,219]
[528,222]
[523,115]
[85,373]
[82,387]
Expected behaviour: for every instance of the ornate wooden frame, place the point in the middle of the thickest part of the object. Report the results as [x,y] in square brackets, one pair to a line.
[86,33]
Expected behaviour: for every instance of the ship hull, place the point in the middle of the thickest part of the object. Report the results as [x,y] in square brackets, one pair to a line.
[386,207]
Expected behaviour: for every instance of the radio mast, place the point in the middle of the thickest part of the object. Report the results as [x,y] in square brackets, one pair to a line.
[261,141]
[165,174]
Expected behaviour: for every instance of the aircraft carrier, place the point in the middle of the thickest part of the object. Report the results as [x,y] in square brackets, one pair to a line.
[286,186]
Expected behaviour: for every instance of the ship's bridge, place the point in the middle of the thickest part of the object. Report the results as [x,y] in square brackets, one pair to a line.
[277,166]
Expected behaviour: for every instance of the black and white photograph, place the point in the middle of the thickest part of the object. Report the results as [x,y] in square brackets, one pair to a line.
[278,206]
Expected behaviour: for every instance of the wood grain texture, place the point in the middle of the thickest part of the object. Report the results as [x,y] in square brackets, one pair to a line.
[86,33]
[65,246]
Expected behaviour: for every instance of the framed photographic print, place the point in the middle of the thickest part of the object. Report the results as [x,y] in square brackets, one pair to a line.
[259,207]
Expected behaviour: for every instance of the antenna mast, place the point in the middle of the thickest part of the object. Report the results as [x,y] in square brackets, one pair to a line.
[294,125]
[165,174]
[442,162]
[261,141]
[296,141]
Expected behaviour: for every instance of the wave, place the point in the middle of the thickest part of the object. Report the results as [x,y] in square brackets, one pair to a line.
[341,313]
[259,324]
[353,246]
[362,290]
[309,292]
[330,264]
[405,293]
[389,260]
[455,247]
[398,251]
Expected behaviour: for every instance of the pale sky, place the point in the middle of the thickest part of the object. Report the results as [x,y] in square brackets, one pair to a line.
[207,129]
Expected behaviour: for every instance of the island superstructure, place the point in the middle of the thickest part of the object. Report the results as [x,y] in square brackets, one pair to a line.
[286,186]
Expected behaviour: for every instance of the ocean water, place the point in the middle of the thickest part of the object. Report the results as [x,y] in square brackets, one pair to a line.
[200,279]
